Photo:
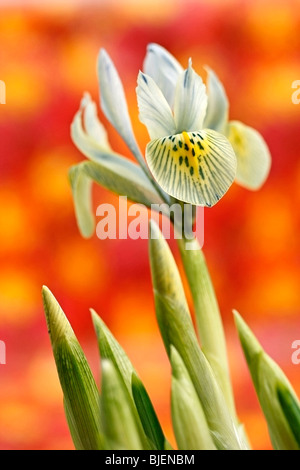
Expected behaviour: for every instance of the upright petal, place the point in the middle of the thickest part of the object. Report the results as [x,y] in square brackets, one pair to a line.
[190,101]
[113,101]
[94,128]
[86,143]
[160,65]
[252,153]
[217,106]
[154,110]
[194,167]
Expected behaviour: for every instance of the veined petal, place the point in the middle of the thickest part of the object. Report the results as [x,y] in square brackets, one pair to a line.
[154,110]
[252,153]
[93,126]
[194,167]
[190,101]
[160,65]
[113,101]
[217,105]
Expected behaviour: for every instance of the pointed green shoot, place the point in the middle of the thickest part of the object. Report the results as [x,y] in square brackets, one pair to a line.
[147,414]
[81,396]
[291,409]
[110,349]
[189,422]
[119,419]
[177,329]
[269,381]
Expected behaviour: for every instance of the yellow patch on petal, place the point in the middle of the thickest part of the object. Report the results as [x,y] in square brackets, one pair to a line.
[194,167]
[252,153]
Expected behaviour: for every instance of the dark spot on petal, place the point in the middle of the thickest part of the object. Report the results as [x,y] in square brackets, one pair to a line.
[187,162]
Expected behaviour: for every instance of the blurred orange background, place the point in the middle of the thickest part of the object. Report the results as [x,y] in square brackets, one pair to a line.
[47,60]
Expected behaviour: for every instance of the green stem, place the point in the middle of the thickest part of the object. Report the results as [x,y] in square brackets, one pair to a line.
[208,317]
[209,321]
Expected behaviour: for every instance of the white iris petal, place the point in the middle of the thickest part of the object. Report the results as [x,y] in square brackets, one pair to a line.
[192,165]
[252,153]
[93,126]
[113,101]
[217,106]
[154,110]
[190,101]
[160,65]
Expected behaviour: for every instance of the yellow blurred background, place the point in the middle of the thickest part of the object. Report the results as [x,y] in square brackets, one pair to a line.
[47,60]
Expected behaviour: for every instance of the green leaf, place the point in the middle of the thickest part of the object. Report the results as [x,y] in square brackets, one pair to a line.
[268,378]
[147,414]
[177,329]
[110,349]
[291,409]
[189,422]
[120,425]
[81,396]
[168,446]
[75,434]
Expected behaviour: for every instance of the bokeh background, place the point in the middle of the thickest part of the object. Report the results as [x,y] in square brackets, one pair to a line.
[48,59]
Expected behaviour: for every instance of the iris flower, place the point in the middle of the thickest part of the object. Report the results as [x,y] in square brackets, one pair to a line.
[195,153]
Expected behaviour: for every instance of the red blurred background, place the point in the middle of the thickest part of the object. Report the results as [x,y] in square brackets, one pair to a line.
[47,60]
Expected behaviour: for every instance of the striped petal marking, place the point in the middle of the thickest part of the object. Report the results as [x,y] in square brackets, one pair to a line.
[194,167]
